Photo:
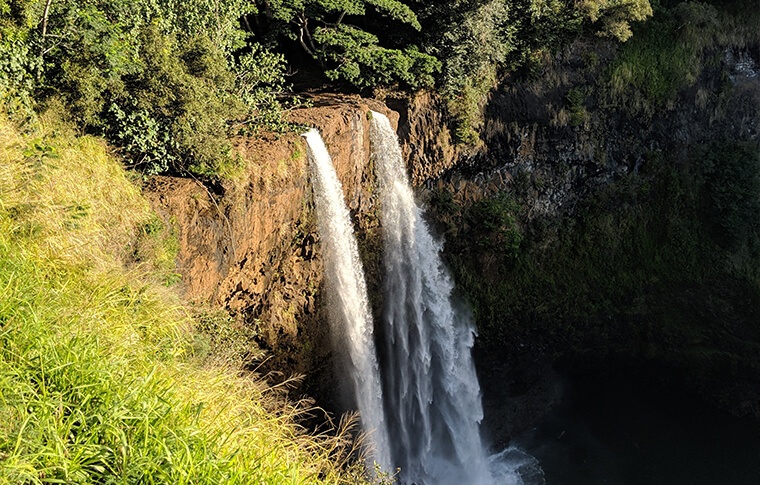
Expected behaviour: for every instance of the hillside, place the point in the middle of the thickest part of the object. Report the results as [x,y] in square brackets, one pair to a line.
[105,375]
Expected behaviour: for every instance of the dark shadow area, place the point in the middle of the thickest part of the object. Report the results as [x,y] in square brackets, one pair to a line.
[631,428]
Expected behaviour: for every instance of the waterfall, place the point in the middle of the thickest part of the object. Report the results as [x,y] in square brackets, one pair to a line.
[431,389]
[350,317]
[432,395]
[423,416]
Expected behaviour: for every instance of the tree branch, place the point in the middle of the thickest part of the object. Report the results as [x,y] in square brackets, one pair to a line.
[45,15]
[304,35]
[303,29]
[43,51]
[247,24]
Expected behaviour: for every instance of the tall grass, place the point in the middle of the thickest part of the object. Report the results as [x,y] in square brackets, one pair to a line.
[98,382]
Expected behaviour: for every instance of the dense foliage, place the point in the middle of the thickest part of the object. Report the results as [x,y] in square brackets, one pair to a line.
[479,42]
[162,80]
[326,31]
[168,81]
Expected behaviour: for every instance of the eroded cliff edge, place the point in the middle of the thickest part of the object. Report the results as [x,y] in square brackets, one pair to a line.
[252,247]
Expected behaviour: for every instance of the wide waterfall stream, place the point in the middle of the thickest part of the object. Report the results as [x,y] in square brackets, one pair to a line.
[432,394]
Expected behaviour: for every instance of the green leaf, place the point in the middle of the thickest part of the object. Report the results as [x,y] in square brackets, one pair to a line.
[397,11]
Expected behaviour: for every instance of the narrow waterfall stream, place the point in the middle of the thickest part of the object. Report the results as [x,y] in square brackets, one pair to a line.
[432,395]
[350,317]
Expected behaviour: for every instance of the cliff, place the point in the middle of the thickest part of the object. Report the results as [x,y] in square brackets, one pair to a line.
[593,233]
[586,234]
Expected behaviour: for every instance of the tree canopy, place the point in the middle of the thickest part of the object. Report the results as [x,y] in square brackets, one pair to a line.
[329,31]
[167,81]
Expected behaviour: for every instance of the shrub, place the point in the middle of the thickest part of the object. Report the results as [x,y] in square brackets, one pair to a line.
[731,191]
[159,80]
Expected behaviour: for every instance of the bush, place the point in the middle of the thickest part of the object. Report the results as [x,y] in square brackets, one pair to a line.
[159,81]
[615,15]
[473,47]
[479,42]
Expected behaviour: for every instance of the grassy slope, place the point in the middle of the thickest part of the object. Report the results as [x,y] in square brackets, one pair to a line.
[98,380]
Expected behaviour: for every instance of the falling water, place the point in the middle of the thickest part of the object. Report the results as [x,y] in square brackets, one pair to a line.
[432,396]
[432,392]
[350,317]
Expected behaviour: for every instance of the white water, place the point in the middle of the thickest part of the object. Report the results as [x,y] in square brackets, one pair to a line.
[432,396]
[350,318]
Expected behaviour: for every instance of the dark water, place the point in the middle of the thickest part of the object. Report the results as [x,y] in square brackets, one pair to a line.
[633,430]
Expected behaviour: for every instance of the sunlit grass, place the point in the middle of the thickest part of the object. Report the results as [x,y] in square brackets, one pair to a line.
[98,378]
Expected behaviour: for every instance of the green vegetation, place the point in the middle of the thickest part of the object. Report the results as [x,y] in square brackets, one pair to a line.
[665,57]
[169,82]
[615,15]
[103,378]
[348,52]
[474,43]
[730,206]
[165,82]
[480,42]
[576,99]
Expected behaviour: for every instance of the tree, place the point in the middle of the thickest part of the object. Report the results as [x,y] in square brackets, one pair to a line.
[615,15]
[324,31]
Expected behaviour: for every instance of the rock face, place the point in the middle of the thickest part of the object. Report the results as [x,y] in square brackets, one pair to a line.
[252,246]
[560,135]
[552,163]
[427,142]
